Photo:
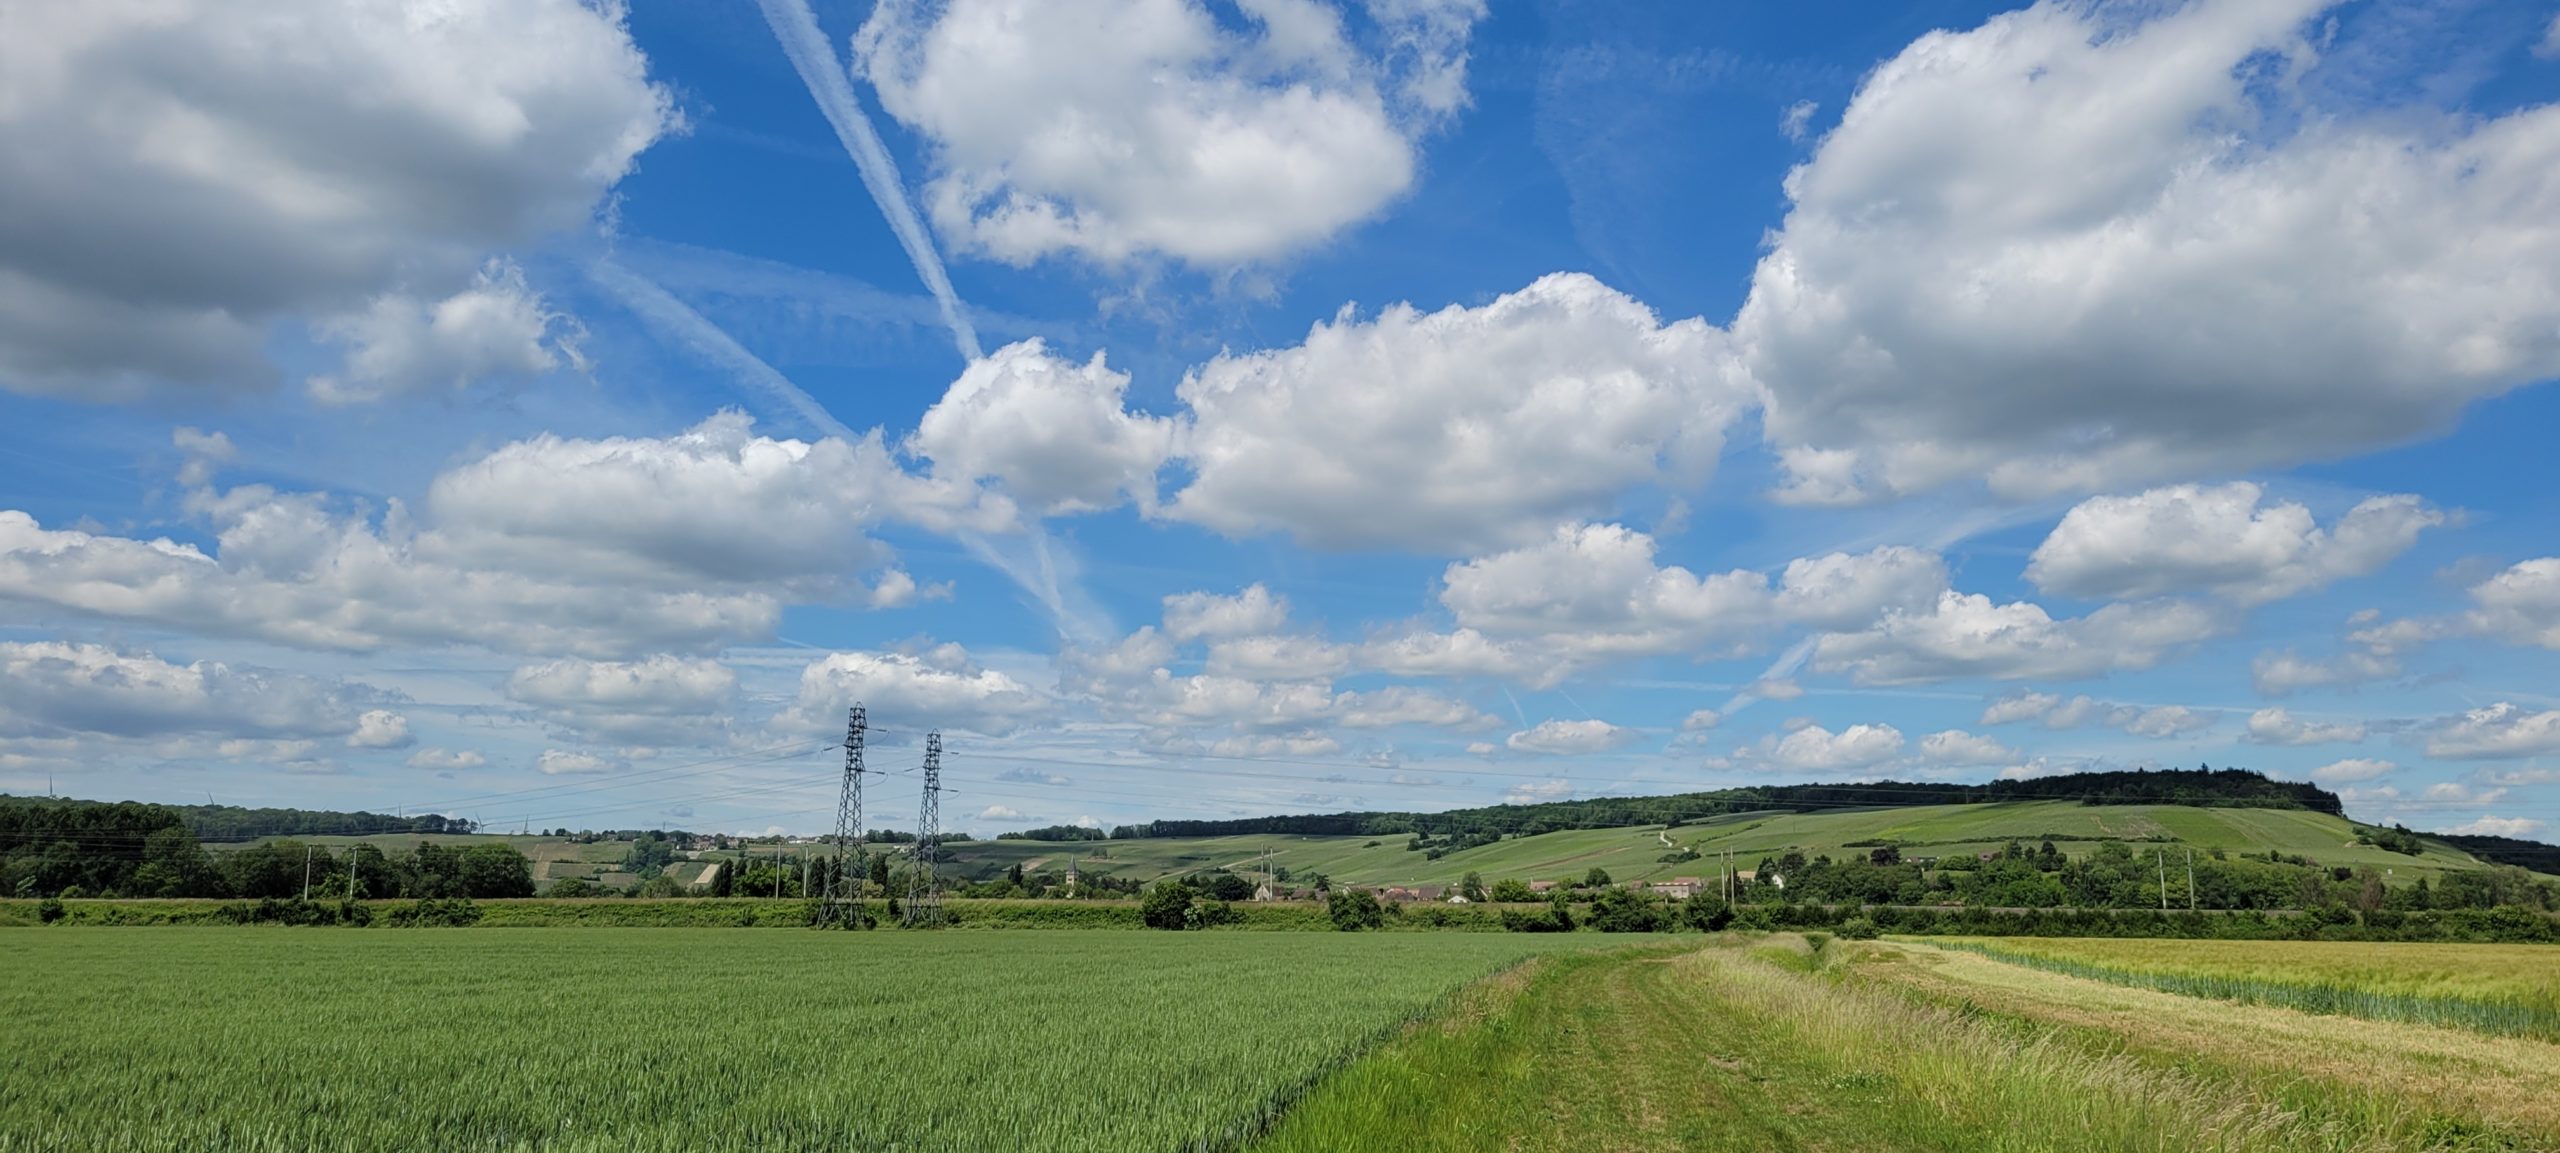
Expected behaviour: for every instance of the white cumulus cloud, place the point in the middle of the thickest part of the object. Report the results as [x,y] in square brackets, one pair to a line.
[1459,429]
[184,176]
[1052,432]
[2219,539]
[2275,726]
[2499,731]
[939,687]
[1119,128]
[1968,635]
[2083,246]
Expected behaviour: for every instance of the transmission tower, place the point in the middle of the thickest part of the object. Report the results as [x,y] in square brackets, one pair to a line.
[844,882]
[924,887]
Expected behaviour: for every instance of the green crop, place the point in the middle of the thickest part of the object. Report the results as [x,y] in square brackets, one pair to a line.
[666,1039]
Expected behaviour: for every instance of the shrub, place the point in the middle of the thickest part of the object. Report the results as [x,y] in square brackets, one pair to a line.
[1628,911]
[1511,889]
[1858,929]
[1706,914]
[49,910]
[1168,906]
[1353,910]
[1556,918]
[435,912]
[572,887]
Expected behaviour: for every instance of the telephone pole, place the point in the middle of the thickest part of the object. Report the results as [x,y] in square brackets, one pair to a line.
[2161,858]
[2191,878]
[924,888]
[306,873]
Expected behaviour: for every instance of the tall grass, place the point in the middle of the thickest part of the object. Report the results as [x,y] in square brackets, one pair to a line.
[1769,1047]
[670,1039]
[2512,1016]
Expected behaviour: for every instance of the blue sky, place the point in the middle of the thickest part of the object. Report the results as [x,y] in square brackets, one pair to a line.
[558,414]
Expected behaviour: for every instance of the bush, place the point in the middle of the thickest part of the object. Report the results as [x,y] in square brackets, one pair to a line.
[435,912]
[1628,911]
[1168,906]
[1556,918]
[1353,910]
[49,910]
[278,911]
[1706,914]
[1858,929]
[1511,889]
[1229,887]
[574,887]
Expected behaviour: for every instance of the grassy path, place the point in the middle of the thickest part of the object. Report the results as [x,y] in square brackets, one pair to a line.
[1763,1046]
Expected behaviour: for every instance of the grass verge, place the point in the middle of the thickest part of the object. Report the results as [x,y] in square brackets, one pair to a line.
[2505,1016]
[1775,1044]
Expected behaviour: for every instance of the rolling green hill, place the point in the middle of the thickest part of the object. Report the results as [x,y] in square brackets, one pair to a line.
[1628,853]
[1634,853]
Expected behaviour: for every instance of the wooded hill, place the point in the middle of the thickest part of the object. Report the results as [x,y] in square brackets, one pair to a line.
[2200,787]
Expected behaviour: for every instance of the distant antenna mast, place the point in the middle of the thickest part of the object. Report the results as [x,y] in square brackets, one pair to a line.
[844,882]
[924,888]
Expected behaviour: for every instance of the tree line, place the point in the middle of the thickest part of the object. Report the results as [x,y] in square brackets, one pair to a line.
[2203,786]
[58,848]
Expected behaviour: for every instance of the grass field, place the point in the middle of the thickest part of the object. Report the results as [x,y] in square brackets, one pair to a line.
[662,1039]
[2512,989]
[1771,1045]
[270,1039]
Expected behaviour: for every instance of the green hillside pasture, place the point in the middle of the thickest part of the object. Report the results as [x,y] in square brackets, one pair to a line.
[2505,989]
[253,1040]
[1635,853]
[1632,853]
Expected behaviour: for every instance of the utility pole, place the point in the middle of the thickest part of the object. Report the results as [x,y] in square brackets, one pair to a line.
[2191,878]
[844,883]
[2161,858]
[924,889]
[804,872]
[306,873]
[1071,878]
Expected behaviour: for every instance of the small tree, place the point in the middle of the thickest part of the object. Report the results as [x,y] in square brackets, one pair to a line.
[1512,889]
[1472,887]
[1706,914]
[1353,910]
[567,887]
[1597,878]
[1228,887]
[1168,906]
[1628,911]
[495,871]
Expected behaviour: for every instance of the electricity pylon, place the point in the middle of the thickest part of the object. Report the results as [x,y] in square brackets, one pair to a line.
[924,886]
[844,882]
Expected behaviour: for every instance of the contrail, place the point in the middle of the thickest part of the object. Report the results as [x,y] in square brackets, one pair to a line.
[797,28]
[678,320]
[1785,666]
[1049,583]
